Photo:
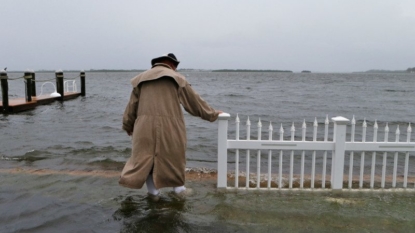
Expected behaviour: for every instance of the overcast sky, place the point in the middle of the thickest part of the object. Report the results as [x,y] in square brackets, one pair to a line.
[316,35]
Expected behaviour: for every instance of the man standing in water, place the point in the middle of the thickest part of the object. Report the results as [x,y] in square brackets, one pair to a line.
[154,118]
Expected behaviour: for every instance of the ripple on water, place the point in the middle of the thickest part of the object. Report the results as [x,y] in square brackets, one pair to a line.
[85,133]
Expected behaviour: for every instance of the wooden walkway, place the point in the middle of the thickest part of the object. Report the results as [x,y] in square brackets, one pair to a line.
[20,104]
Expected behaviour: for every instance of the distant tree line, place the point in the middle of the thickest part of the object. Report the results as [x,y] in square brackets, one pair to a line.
[242,70]
[410,70]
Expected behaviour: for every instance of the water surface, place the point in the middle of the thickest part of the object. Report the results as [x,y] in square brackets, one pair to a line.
[59,163]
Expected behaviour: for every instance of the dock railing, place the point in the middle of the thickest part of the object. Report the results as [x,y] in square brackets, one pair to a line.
[338,147]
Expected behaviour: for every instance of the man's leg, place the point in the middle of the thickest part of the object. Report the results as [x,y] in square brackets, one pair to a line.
[150,185]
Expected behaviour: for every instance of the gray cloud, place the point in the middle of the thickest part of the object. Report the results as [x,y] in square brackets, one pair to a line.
[327,36]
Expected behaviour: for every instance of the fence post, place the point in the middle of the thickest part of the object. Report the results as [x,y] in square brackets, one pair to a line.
[339,149]
[59,84]
[82,75]
[4,91]
[223,150]
[28,79]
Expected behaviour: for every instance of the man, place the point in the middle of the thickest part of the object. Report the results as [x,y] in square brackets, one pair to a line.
[154,118]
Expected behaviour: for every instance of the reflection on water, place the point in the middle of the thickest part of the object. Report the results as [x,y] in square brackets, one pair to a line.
[270,212]
[144,215]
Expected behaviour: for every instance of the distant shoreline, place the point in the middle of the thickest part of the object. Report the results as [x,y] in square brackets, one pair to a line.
[243,70]
[384,72]
[140,70]
[221,70]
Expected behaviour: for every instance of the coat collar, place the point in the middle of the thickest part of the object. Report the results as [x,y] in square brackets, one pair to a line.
[157,71]
[162,64]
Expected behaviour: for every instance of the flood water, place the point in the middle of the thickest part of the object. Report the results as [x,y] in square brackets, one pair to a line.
[59,163]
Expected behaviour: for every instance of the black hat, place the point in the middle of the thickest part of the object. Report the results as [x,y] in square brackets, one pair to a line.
[169,56]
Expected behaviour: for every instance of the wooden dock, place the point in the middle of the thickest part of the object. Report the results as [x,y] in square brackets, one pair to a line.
[31,100]
[20,104]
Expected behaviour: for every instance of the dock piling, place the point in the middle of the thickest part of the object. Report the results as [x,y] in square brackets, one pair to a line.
[82,75]
[4,91]
[59,84]
[28,79]
[33,83]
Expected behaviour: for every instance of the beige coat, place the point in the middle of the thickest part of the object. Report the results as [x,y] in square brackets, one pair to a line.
[155,117]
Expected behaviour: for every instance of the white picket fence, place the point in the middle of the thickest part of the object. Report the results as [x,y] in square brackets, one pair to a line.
[338,148]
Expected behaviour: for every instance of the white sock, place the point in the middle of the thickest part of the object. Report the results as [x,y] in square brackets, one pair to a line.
[150,185]
[179,189]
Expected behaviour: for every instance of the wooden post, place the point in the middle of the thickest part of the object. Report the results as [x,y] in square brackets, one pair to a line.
[82,83]
[28,78]
[33,83]
[339,149]
[223,150]
[4,91]
[59,84]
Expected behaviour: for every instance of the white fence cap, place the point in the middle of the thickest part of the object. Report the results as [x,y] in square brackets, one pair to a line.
[340,119]
[224,115]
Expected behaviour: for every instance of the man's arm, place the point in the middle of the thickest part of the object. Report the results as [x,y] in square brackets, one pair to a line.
[130,113]
[195,105]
